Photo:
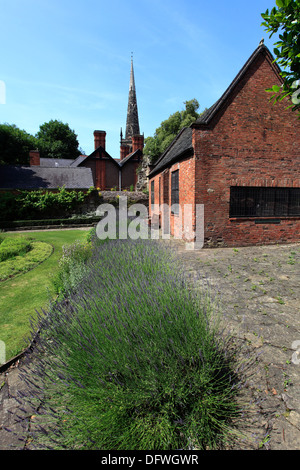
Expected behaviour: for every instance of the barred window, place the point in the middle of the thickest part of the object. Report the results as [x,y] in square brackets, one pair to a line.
[175,191]
[264,202]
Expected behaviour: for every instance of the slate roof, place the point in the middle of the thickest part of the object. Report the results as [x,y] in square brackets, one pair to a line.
[180,147]
[79,160]
[36,177]
[128,157]
[82,158]
[54,162]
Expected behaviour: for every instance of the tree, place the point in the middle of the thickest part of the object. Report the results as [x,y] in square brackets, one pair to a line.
[166,133]
[285,20]
[15,145]
[56,140]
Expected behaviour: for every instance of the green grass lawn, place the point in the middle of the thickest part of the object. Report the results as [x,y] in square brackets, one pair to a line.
[23,294]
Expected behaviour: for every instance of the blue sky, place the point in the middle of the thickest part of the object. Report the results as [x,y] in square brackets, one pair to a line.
[70,61]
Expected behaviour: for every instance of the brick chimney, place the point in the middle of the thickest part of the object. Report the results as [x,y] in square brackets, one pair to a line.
[137,142]
[99,139]
[34,158]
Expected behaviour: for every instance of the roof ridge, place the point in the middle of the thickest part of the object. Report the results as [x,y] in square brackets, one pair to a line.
[180,146]
[206,116]
[128,157]
[171,144]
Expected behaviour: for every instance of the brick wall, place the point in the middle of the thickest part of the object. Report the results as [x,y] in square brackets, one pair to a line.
[179,226]
[250,143]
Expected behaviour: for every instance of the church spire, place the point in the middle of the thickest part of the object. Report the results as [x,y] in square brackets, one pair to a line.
[132,123]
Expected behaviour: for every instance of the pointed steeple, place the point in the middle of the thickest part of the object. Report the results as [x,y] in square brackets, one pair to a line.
[132,122]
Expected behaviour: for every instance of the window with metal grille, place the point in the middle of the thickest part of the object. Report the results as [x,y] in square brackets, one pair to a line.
[264,202]
[175,191]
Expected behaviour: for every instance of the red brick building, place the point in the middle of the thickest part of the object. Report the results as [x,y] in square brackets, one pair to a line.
[99,169]
[108,172]
[103,171]
[241,160]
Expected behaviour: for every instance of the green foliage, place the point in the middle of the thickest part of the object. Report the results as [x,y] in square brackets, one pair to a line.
[168,130]
[25,254]
[134,361]
[56,140]
[41,201]
[39,204]
[72,266]
[21,295]
[11,247]
[15,145]
[285,20]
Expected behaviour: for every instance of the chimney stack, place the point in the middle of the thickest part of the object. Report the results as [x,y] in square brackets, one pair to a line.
[99,139]
[34,158]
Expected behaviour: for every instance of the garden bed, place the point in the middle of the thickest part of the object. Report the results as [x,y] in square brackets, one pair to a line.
[20,264]
[129,359]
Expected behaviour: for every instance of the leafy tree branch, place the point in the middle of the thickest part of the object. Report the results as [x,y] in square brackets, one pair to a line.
[284,18]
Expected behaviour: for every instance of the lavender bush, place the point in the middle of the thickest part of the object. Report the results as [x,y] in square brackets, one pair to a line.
[132,359]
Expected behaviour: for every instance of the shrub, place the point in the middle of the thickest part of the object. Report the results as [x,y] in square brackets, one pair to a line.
[132,359]
[20,264]
[47,202]
[8,206]
[39,203]
[11,247]
[72,266]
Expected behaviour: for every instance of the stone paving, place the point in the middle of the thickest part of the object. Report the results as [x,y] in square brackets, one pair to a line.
[258,289]
[259,295]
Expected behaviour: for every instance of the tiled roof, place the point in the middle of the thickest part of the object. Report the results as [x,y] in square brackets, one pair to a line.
[36,177]
[181,146]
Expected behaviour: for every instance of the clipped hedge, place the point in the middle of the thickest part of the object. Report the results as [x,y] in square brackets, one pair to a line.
[10,248]
[43,222]
[22,263]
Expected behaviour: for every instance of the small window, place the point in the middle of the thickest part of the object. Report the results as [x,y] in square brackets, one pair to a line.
[175,191]
[264,202]
[159,191]
[152,194]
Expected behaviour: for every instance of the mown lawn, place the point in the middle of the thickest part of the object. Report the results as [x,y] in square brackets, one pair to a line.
[23,294]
